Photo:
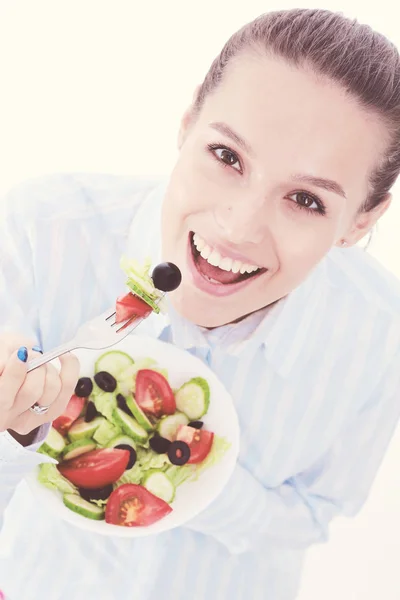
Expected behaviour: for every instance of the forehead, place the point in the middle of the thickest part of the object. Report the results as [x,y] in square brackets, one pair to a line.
[306,120]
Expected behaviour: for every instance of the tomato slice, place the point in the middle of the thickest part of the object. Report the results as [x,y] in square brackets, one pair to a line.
[74,408]
[129,306]
[154,394]
[131,505]
[198,440]
[96,468]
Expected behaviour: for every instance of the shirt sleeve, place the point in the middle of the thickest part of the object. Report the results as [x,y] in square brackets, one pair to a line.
[18,308]
[247,516]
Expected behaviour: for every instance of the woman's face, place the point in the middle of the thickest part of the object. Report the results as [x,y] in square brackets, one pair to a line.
[271,174]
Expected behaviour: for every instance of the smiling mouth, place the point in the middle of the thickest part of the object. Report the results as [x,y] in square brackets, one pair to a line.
[233,271]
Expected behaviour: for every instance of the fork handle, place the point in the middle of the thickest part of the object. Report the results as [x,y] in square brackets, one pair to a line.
[48,356]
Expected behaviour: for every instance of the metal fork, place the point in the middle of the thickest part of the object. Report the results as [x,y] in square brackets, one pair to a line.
[101,332]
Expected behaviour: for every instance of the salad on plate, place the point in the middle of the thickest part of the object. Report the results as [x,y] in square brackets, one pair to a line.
[127,440]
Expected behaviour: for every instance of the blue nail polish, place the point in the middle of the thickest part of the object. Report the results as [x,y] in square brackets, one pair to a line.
[37,349]
[23,353]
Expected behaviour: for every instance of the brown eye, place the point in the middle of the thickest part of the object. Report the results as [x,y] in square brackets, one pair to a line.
[305,200]
[227,157]
[308,202]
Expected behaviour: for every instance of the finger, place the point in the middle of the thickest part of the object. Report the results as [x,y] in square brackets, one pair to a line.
[69,375]
[31,390]
[4,356]
[13,377]
[70,369]
[10,343]
[52,386]
[14,341]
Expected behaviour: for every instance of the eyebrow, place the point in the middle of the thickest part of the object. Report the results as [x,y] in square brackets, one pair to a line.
[226,130]
[320,182]
[325,184]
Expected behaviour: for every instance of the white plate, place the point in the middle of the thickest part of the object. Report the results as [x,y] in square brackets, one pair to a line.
[191,497]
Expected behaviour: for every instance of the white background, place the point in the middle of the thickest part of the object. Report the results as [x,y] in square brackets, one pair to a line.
[100,86]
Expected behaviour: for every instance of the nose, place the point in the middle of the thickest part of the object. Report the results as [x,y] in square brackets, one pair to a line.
[241,222]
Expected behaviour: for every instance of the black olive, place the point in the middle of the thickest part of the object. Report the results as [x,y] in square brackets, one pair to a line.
[84,387]
[159,444]
[122,404]
[105,381]
[96,494]
[132,454]
[91,412]
[166,277]
[196,424]
[179,453]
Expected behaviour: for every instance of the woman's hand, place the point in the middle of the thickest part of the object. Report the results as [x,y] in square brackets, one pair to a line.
[20,390]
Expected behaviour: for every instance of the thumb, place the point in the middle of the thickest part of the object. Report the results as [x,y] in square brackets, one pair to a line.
[13,376]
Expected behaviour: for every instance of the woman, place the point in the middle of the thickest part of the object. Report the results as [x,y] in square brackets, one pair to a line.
[287,156]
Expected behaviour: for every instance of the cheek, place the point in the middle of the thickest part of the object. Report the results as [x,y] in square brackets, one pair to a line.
[198,183]
[303,241]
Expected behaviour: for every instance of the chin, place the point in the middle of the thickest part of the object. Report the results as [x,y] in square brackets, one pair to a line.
[200,311]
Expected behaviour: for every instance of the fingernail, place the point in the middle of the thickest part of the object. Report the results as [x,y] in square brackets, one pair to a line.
[36,349]
[23,353]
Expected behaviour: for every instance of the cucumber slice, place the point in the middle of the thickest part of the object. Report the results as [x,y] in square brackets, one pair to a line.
[160,485]
[139,414]
[130,426]
[143,281]
[53,445]
[127,380]
[168,426]
[136,289]
[83,507]
[113,362]
[82,430]
[106,432]
[193,398]
[77,448]
[122,439]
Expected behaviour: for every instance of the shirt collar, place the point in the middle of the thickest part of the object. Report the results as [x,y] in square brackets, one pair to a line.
[287,330]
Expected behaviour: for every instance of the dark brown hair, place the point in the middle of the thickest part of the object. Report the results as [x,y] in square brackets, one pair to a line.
[361,60]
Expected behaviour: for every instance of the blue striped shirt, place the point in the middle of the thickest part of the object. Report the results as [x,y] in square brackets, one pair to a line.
[314,378]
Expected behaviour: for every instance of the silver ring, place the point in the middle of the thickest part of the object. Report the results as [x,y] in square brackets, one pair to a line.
[39,410]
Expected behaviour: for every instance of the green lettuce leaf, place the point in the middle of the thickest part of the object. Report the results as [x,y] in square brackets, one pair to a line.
[179,475]
[140,274]
[105,432]
[51,477]
[146,460]
[105,402]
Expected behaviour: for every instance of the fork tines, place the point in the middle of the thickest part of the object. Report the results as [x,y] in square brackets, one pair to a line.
[123,324]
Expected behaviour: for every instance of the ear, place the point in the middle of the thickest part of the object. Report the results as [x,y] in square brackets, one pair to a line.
[365,221]
[187,119]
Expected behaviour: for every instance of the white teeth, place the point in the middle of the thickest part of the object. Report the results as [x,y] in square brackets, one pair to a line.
[212,256]
[198,242]
[236,266]
[206,251]
[248,268]
[226,264]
